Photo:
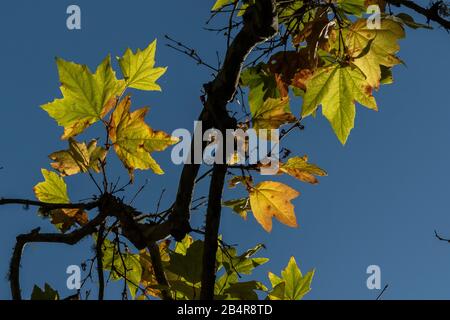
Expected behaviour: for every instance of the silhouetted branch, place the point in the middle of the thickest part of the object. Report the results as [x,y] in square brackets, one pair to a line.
[431,13]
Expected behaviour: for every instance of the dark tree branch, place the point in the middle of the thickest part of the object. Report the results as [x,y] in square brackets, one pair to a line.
[36,237]
[50,206]
[100,270]
[212,231]
[159,270]
[260,24]
[432,13]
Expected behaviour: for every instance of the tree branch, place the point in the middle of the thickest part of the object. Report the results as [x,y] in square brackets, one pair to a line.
[432,13]
[260,24]
[36,237]
[159,270]
[50,206]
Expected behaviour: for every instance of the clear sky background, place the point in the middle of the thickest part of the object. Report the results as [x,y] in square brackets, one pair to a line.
[387,190]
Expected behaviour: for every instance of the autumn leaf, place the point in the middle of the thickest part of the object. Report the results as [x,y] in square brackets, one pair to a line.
[383,44]
[272,114]
[134,140]
[87,97]
[299,168]
[139,70]
[54,190]
[272,199]
[78,158]
[336,88]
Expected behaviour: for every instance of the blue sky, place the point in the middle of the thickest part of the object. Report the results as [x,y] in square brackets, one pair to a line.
[387,189]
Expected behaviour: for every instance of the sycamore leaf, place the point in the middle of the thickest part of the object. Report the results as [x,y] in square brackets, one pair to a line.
[262,85]
[292,285]
[87,97]
[354,7]
[272,199]
[244,290]
[186,265]
[134,140]
[299,168]
[52,190]
[79,158]
[121,265]
[138,68]
[272,114]
[183,246]
[297,285]
[337,88]
[240,206]
[383,44]
[47,294]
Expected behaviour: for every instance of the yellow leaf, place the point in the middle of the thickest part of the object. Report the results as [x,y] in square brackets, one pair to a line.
[138,68]
[272,114]
[272,199]
[52,190]
[134,140]
[299,168]
[383,44]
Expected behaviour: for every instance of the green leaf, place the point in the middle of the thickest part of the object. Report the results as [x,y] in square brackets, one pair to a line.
[242,264]
[353,7]
[122,265]
[296,285]
[134,140]
[183,246]
[47,294]
[138,68]
[262,85]
[78,158]
[52,190]
[87,97]
[337,88]
[240,206]
[244,290]
[187,266]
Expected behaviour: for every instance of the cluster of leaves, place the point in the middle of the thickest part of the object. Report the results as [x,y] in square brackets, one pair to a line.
[181,263]
[331,57]
[89,98]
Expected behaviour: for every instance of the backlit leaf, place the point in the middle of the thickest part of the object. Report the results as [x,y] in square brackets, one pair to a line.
[299,168]
[78,158]
[337,88]
[87,97]
[272,199]
[134,140]
[139,70]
